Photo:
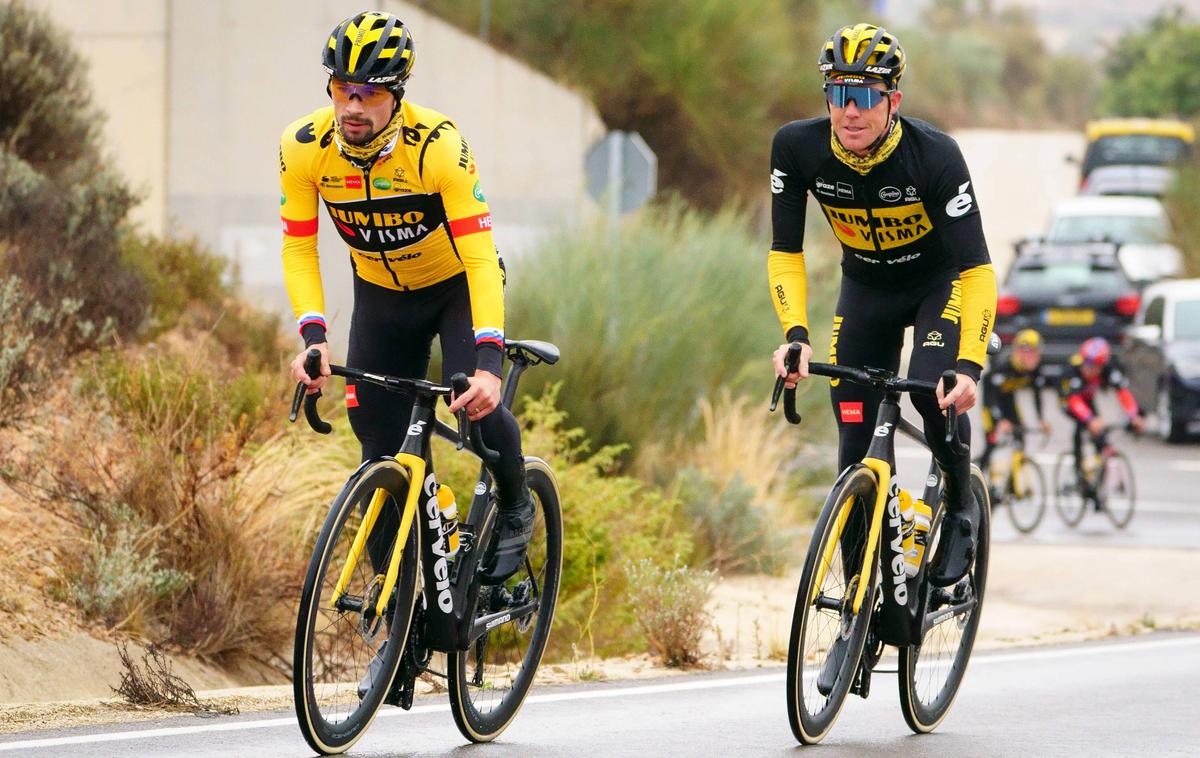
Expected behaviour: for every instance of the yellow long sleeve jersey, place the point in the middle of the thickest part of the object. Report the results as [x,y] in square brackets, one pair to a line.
[416,217]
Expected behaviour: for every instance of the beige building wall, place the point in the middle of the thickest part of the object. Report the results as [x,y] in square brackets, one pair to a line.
[124,43]
[198,91]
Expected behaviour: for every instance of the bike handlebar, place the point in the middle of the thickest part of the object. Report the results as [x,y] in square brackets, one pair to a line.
[880,379]
[467,431]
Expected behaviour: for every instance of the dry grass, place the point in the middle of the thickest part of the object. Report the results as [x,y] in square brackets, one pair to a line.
[189,515]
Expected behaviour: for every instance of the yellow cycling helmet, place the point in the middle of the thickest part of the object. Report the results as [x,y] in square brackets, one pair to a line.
[371,48]
[864,50]
[1028,338]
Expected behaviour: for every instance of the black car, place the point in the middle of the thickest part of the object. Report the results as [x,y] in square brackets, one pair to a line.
[1067,292]
[1163,356]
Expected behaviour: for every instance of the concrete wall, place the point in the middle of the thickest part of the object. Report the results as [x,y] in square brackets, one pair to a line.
[124,42]
[198,92]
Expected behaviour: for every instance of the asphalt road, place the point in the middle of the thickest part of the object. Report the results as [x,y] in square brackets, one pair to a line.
[1167,512]
[1121,697]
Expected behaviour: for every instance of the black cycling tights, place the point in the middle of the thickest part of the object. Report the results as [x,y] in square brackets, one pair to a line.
[869,331]
[392,332]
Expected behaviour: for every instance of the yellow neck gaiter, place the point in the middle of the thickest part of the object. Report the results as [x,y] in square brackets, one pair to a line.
[863,164]
[367,153]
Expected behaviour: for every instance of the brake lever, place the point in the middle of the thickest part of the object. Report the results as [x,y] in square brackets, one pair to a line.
[949,379]
[790,363]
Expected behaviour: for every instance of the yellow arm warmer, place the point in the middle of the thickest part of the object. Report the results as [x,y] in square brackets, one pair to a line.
[789,292]
[978,314]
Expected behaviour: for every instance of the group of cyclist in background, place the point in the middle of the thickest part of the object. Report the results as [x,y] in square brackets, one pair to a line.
[1091,370]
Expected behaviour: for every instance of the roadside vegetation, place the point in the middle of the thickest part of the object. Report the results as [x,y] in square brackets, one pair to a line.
[708,95]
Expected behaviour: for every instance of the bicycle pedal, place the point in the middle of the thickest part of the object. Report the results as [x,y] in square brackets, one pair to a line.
[403,690]
[862,682]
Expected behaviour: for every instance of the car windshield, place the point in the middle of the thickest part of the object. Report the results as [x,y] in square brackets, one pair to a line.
[1055,277]
[1187,319]
[1136,148]
[1136,229]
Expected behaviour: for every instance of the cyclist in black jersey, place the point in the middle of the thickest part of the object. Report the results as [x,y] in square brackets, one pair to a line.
[898,197]
[1023,370]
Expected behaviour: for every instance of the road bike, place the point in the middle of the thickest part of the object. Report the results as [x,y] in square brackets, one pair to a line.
[1104,481]
[1021,486]
[394,579]
[865,583]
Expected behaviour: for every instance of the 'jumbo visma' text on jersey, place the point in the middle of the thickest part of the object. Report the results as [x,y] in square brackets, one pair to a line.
[416,217]
[912,217]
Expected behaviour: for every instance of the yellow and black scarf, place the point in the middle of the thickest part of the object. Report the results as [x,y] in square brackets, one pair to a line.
[863,164]
[366,154]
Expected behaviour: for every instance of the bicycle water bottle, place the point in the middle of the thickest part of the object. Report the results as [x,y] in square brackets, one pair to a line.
[905,506]
[921,521]
[449,510]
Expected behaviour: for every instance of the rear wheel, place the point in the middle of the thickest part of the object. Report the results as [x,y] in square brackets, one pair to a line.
[827,632]
[932,670]
[345,655]
[1118,489]
[1026,496]
[489,680]
[1068,498]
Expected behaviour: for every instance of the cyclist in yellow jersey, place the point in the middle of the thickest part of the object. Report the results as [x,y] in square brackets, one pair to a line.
[897,195]
[401,187]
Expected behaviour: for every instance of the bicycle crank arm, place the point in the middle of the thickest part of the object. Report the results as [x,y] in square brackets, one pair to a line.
[485,624]
[940,615]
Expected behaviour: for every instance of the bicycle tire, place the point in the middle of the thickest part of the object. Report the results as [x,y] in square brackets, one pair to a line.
[925,700]
[1026,513]
[854,492]
[1068,500]
[331,713]
[1120,490]
[494,663]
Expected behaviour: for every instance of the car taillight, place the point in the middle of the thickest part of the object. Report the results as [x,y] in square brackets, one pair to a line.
[1127,305]
[1008,305]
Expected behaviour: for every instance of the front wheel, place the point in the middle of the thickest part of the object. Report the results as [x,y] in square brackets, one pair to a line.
[1026,495]
[490,679]
[1068,495]
[1118,490]
[932,670]
[828,632]
[345,655]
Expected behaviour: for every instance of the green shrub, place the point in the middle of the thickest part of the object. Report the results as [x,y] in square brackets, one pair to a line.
[732,532]
[675,309]
[38,336]
[1183,207]
[672,608]
[609,521]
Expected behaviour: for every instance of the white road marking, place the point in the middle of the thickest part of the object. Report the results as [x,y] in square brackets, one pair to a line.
[653,689]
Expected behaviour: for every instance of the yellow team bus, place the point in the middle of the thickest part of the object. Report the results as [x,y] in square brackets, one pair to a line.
[1136,142]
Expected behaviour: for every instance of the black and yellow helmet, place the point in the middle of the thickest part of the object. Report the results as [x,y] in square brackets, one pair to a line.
[370,48]
[1028,338]
[865,50]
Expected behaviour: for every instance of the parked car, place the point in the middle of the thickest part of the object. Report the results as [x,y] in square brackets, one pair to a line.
[1135,142]
[1067,292]
[1138,224]
[1142,181]
[1162,356]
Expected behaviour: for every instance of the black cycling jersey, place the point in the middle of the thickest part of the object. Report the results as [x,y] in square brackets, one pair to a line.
[912,218]
[1000,388]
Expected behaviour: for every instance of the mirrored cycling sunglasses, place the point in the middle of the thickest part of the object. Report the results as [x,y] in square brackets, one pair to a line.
[369,94]
[839,95]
